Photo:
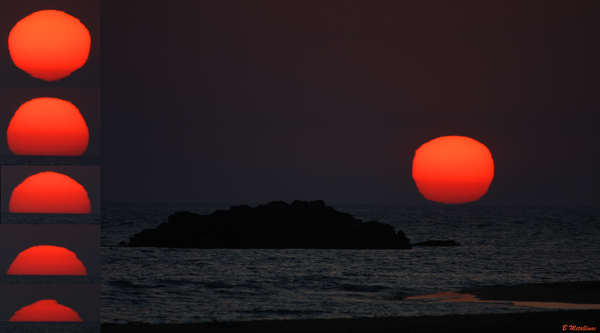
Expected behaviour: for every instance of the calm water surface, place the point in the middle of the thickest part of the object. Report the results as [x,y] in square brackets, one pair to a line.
[499,246]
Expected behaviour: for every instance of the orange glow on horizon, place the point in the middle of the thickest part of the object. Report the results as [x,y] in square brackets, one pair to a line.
[47,260]
[49,44]
[47,126]
[453,169]
[46,310]
[49,192]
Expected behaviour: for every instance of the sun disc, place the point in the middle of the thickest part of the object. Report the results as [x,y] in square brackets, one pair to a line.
[46,310]
[47,126]
[49,192]
[453,169]
[47,260]
[49,44]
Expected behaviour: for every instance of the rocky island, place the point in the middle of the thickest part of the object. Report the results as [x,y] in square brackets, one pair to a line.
[276,225]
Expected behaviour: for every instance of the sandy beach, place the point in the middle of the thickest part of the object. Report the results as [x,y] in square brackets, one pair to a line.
[547,321]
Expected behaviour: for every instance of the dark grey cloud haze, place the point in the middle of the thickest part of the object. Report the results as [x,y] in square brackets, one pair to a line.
[248,102]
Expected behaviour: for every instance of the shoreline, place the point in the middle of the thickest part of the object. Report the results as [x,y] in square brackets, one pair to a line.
[547,321]
[582,292]
[583,295]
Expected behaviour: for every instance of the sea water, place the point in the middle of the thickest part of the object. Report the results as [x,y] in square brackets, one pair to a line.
[500,246]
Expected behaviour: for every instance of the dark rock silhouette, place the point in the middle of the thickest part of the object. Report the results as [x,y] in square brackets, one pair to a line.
[277,225]
[437,243]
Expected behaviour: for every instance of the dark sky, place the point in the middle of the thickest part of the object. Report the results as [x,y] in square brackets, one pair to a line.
[83,298]
[86,99]
[87,12]
[84,240]
[86,176]
[253,101]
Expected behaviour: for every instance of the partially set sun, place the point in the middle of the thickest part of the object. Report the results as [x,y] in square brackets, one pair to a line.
[47,260]
[46,310]
[49,44]
[453,169]
[49,192]
[47,126]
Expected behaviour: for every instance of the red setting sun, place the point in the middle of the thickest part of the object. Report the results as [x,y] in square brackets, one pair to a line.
[453,169]
[47,260]
[49,192]
[49,44]
[47,126]
[46,310]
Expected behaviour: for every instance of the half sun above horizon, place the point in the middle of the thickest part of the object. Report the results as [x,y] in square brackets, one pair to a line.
[46,310]
[49,44]
[453,169]
[49,192]
[47,260]
[47,126]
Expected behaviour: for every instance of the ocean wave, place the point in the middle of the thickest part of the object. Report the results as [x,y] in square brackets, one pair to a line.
[127,284]
[359,287]
[218,284]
